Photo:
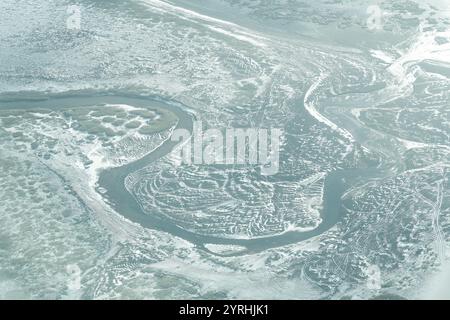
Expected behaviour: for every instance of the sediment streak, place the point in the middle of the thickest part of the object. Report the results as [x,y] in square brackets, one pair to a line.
[308,102]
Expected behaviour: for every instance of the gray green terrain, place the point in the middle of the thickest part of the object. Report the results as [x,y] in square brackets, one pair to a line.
[94,204]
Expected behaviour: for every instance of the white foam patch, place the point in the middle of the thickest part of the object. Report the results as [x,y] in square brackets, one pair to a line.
[437,287]
[233,29]
[254,284]
[224,249]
